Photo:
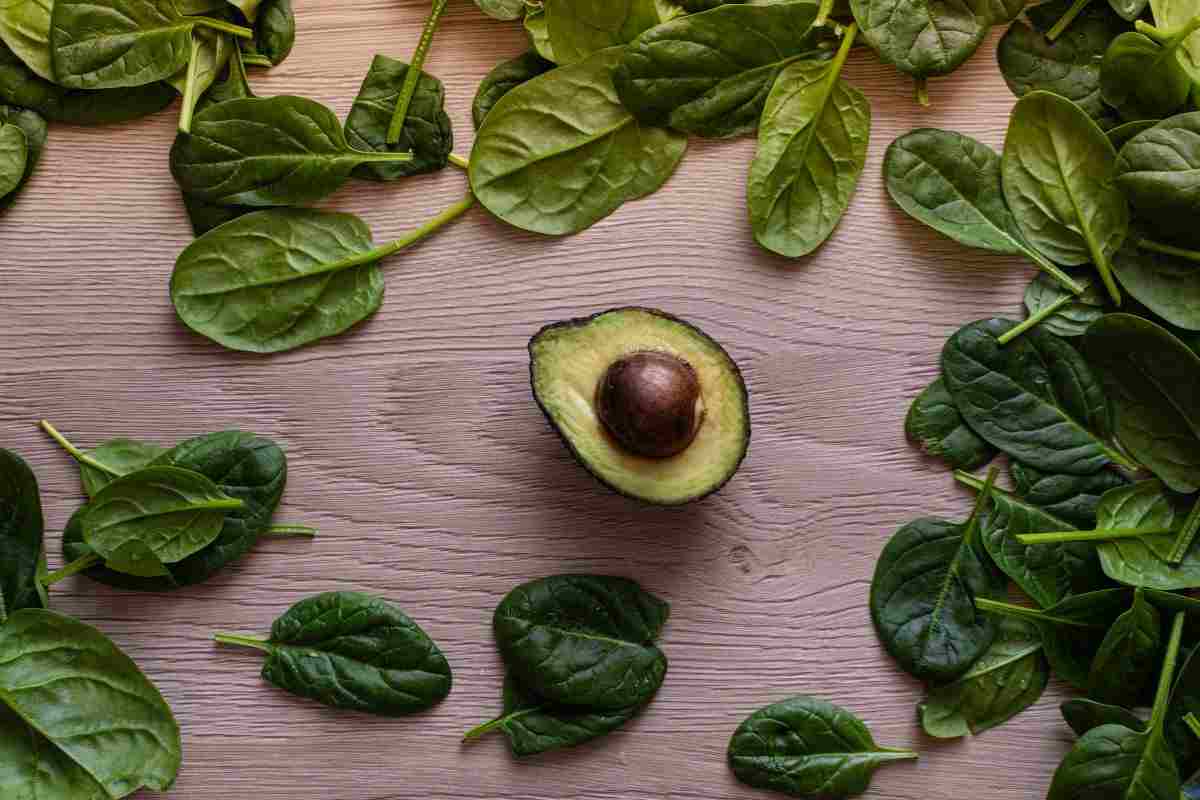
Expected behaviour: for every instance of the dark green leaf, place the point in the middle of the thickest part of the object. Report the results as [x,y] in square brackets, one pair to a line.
[505,77]
[1083,715]
[1034,398]
[933,422]
[1073,498]
[296,154]
[584,640]
[1167,285]
[556,168]
[353,651]
[807,747]
[710,74]
[21,529]
[923,37]
[426,133]
[1007,679]
[33,129]
[98,718]
[1157,171]
[1154,382]
[1124,664]
[274,32]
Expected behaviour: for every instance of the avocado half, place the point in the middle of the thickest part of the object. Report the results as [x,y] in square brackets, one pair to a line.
[649,404]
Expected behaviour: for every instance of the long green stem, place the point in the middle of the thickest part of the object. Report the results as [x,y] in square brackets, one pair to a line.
[1006,609]
[1035,319]
[75,452]
[284,531]
[223,27]
[1170,250]
[237,640]
[1066,19]
[429,228]
[460,162]
[1193,724]
[1103,535]
[409,88]
[189,87]
[1166,679]
[380,156]
[1187,535]
[77,566]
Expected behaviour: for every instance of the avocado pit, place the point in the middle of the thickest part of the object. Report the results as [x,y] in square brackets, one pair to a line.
[651,403]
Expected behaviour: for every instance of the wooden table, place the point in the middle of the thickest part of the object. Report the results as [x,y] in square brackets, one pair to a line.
[417,450]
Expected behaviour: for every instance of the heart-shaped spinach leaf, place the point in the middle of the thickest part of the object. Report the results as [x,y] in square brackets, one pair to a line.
[923,37]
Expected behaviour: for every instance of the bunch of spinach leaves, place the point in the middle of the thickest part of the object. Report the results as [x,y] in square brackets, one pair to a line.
[580,659]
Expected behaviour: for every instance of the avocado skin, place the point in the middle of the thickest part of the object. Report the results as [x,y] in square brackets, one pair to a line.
[576,322]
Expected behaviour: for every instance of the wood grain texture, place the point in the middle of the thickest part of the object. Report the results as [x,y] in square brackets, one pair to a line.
[416,448]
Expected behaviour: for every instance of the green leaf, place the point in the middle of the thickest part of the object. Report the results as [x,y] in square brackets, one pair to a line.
[807,747]
[120,457]
[1142,79]
[1074,498]
[1121,134]
[21,87]
[1125,661]
[171,512]
[923,37]
[710,74]
[33,129]
[538,31]
[1058,174]
[504,77]
[533,725]
[1034,398]
[1069,314]
[1166,284]
[812,145]
[14,155]
[298,153]
[1145,560]
[212,52]
[106,44]
[1082,715]
[584,640]
[557,169]
[580,28]
[274,33]
[353,651]
[1154,382]
[923,593]
[933,422]
[25,28]
[94,716]
[21,530]
[1156,170]
[1007,679]
[426,133]
[502,9]
[1172,15]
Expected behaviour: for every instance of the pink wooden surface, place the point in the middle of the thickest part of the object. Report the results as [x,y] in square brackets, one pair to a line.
[416,448]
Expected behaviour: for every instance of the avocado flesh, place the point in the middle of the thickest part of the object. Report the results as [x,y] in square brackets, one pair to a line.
[569,360]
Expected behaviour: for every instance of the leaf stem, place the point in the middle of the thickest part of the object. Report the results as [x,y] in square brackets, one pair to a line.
[432,226]
[382,156]
[224,27]
[189,87]
[922,92]
[1066,19]
[1102,535]
[839,59]
[1159,714]
[1006,609]
[409,88]
[1170,250]
[460,162]
[81,564]
[1193,724]
[480,731]
[75,452]
[237,640]
[985,495]
[1035,319]
[1054,271]
[1187,535]
[823,12]
[257,61]
[284,531]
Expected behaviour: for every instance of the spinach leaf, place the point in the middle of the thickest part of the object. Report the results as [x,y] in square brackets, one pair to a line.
[25,29]
[1154,382]
[806,747]
[1185,699]
[33,129]
[1166,284]
[505,77]
[1074,498]
[353,651]
[1068,65]
[584,640]
[951,183]
[1058,173]
[579,28]
[923,594]
[248,467]
[34,769]
[94,719]
[106,44]
[1060,311]
[21,87]
[502,9]
[1126,658]
[1145,560]
[274,34]
[533,725]
[210,55]
[1156,170]
[1035,398]
[1121,134]
[233,85]
[557,169]
[538,31]
[302,275]
[119,457]
[14,154]
[297,154]
[21,529]
[1082,715]
[1072,629]
[1171,15]
[710,74]
[1048,573]
[1125,763]
[1007,679]
[812,146]
[933,422]
[923,37]
[426,133]
[1143,79]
